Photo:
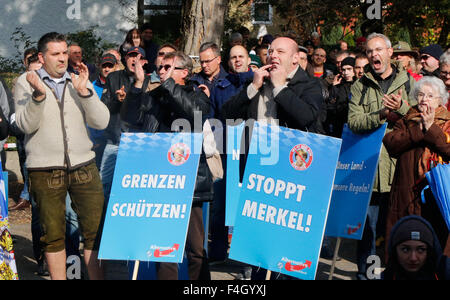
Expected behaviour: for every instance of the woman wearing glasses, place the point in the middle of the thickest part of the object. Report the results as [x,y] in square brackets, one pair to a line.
[419,141]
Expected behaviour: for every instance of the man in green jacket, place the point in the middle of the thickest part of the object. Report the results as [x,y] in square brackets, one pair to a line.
[379,96]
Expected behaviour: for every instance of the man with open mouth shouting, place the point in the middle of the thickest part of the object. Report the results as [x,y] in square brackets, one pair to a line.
[379,96]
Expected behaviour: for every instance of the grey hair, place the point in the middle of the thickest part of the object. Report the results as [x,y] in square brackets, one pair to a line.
[183,61]
[379,35]
[210,45]
[444,59]
[433,82]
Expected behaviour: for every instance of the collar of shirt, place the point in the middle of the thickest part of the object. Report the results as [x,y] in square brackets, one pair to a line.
[56,84]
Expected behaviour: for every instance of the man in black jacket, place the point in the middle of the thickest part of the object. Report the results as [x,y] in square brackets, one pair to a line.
[118,89]
[177,99]
[280,91]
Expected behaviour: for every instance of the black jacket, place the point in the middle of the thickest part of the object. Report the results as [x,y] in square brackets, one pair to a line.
[158,109]
[437,266]
[299,106]
[117,124]
[337,108]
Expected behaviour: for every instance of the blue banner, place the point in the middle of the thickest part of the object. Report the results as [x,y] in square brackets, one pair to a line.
[151,197]
[8,268]
[352,188]
[284,201]
[233,186]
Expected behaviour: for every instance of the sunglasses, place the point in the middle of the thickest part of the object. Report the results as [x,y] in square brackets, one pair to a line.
[425,57]
[167,67]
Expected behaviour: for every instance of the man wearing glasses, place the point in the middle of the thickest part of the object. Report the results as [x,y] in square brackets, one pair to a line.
[212,72]
[177,98]
[379,96]
[429,59]
[163,50]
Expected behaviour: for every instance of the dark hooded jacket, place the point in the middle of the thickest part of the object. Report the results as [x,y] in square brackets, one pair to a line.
[437,266]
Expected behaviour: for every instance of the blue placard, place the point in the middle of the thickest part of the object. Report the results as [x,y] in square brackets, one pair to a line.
[284,200]
[353,185]
[233,186]
[151,197]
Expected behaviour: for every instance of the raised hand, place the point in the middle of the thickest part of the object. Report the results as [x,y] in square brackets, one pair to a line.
[393,101]
[427,114]
[205,89]
[260,75]
[36,85]
[80,82]
[121,94]
[139,72]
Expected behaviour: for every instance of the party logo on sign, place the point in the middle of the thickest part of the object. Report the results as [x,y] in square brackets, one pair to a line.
[294,266]
[158,251]
[178,154]
[301,157]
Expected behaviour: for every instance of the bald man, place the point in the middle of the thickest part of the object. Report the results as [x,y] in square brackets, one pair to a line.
[280,90]
[239,75]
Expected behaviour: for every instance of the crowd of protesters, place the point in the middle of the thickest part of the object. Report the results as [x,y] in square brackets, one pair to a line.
[68,117]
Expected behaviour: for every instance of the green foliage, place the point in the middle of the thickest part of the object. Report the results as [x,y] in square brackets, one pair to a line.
[21,42]
[332,36]
[93,46]
[9,78]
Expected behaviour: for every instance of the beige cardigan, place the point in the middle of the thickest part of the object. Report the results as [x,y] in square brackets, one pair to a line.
[56,136]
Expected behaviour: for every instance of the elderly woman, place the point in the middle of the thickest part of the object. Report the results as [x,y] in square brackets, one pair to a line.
[419,141]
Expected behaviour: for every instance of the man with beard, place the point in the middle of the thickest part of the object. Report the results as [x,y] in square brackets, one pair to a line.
[380,96]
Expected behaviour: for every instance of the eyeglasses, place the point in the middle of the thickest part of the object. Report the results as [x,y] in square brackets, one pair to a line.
[108,65]
[444,74]
[373,51]
[162,53]
[207,61]
[421,96]
[167,67]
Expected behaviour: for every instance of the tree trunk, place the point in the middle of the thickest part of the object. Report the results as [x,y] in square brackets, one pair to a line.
[203,21]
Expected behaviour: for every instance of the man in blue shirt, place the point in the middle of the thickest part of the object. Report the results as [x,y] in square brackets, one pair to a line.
[212,72]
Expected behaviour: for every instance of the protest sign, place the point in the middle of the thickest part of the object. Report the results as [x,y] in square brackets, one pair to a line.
[151,197]
[284,200]
[8,268]
[233,186]
[352,187]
